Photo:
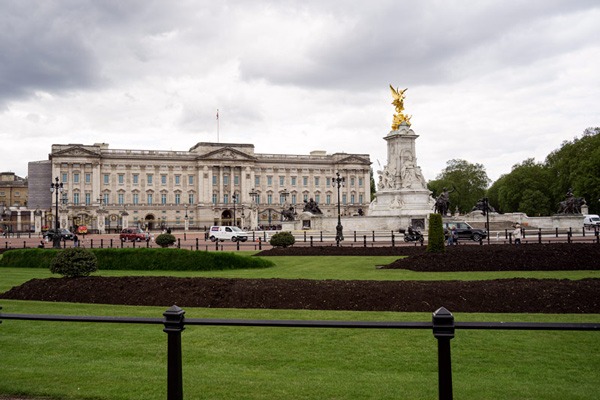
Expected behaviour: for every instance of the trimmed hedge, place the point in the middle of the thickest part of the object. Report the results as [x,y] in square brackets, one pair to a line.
[142,259]
[436,242]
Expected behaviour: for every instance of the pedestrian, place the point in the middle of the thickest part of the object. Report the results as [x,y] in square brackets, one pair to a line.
[517,234]
[450,237]
[41,245]
[75,240]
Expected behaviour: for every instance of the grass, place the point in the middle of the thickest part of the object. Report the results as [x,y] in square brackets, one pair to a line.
[122,361]
[70,360]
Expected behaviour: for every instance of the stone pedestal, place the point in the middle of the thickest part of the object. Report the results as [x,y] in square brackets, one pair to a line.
[402,189]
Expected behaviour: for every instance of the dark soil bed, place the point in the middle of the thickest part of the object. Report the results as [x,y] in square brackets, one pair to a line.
[507,295]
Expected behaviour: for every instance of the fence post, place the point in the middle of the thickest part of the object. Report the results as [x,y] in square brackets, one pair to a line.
[174,325]
[373,236]
[321,236]
[443,331]
[365,240]
[304,236]
[393,240]
[354,236]
[311,241]
[540,235]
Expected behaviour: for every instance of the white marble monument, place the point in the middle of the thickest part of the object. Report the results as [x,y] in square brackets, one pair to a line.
[402,189]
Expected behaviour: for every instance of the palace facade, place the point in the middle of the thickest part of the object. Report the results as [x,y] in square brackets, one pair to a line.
[210,184]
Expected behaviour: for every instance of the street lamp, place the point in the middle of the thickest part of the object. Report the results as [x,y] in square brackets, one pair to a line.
[234,198]
[339,235]
[186,218]
[56,188]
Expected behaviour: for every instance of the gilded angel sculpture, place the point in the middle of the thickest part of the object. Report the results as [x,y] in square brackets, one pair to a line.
[398,102]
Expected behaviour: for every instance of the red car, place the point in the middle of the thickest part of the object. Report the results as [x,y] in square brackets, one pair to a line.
[133,235]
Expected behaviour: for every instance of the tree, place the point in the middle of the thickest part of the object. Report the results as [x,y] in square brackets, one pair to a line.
[525,189]
[372,184]
[465,181]
[576,165]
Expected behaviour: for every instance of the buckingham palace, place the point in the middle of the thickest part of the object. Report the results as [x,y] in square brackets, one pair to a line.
[210,184]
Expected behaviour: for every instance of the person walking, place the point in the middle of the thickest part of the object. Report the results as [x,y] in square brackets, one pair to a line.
[517,234]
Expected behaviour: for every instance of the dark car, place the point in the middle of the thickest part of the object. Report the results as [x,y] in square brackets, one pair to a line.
[134,235]
[65,234]
[465,231]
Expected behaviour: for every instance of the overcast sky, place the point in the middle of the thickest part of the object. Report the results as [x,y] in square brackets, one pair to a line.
[492,82]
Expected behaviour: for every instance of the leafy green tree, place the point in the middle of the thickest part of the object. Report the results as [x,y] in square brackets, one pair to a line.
[525,189]
[372,184]
[465,181]
[576,165]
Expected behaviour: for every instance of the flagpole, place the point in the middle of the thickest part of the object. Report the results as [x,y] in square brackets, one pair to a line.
[217,125]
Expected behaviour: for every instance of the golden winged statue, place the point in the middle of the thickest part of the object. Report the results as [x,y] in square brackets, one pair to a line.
[398,102]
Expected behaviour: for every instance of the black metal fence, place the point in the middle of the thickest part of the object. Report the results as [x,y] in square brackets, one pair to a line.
[442,325]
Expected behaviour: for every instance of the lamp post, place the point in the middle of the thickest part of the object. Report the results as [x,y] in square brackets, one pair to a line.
[234,198]
[339,181]
[55,188]
[254,195]
[186,218]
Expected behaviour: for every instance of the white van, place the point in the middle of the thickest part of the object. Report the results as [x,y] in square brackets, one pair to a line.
[591,220]
[222,233]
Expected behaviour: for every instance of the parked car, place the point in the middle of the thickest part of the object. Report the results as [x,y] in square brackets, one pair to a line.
[591,220]
[65,234]
[134,235]
[465,231]
[223,233]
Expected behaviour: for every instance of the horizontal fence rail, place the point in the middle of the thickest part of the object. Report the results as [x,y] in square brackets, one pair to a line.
[259,239]
[442,325]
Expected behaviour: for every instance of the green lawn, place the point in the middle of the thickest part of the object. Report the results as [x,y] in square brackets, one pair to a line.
[123,361]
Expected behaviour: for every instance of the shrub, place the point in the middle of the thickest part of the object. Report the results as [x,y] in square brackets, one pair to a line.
[436,241]
[282,239]
[140,259]
[165,240]
[74,262]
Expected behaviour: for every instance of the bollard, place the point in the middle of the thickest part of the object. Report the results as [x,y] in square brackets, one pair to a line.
[92,243]
[556,232]
[311,241]
[237,245]
[174,324]
[365,240]
[259,244]
[24,244]
[540,235]
[321,236]
[111,243]
[101,243]
[373,236]
[196,244]
[510,238]
[304,236]
[443,331]
[178,243]
[393,240]
[354,236]
[217,245]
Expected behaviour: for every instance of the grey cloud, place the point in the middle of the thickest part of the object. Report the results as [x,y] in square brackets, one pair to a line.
[420,44]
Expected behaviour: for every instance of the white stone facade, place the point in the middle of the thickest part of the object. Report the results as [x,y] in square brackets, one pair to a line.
[108,189]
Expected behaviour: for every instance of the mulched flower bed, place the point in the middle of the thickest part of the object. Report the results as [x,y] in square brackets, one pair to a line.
[504,295]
